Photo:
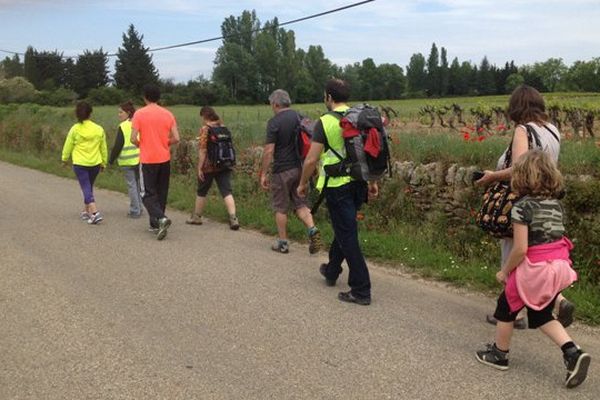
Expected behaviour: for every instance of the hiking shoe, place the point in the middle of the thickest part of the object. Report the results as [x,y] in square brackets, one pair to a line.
[565,312]
[493,357]
[95,219]
[314,241]
[518,324]
[194,219]
[234,223]
[163,225]
[84,215]
[577,363]
[323,271]
[348,297]
[281,246]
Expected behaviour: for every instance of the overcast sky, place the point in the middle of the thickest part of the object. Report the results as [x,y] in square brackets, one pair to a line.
[389,31]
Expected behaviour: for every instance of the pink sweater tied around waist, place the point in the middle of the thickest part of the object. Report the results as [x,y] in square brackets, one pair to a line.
[545,271]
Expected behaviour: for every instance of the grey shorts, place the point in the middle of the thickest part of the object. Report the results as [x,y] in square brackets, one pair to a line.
[283,191]
[223,179]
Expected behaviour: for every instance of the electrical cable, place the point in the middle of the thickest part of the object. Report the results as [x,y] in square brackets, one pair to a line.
[174,46]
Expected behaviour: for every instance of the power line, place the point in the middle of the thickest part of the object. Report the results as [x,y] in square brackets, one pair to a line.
[174,46]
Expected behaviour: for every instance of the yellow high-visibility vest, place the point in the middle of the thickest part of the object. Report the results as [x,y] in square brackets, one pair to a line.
[333,133]
[130,154]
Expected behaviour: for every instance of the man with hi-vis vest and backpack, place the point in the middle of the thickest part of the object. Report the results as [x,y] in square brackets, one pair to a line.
[342,183]
[154,130]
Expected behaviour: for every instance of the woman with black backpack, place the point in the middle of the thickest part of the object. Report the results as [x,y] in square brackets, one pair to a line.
[216,158]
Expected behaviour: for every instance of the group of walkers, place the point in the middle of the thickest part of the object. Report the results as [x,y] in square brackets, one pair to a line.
[535,263]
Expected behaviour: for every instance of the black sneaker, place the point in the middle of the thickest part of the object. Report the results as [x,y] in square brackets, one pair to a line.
[565,312]
[493,357]
[323,270]
[577,363]
[163,226]
[348,297]
[314,240]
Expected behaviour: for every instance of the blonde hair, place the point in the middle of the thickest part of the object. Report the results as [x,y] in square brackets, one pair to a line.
[535,174]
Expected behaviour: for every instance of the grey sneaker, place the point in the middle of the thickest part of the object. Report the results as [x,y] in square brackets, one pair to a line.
[84,215]
[163,226]
[281,246]
[493,357]
[314,241]
[577,363]
[95,219]
[234,223]
[565,312]
[134,215]
[194,219]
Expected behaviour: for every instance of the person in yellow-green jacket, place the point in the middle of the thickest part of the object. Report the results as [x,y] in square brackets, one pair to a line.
[127,156]
[86,146]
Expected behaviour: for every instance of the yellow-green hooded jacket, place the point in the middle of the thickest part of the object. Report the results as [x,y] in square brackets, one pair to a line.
[86,145]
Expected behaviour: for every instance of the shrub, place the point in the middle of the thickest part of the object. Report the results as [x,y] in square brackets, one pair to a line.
[107,95]
[16,90]
[60,97]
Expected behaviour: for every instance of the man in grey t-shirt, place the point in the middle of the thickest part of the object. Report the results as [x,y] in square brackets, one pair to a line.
[281,149]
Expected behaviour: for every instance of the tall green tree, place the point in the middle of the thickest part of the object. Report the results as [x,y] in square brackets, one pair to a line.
[433,71]
[444,72]
[584,76]
[44,69]
[370,79]
[416,76]
[319,71]
[551,72]
[91,72]
[236,67]
[134,67]
[392,81]
[486,82]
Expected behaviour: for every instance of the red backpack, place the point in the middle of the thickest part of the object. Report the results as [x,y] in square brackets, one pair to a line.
[304,133]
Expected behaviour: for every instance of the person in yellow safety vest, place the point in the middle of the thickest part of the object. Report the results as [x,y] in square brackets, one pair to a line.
[344,197]
[127,156]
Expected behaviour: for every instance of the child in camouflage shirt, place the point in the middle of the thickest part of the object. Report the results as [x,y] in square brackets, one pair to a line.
[538,267]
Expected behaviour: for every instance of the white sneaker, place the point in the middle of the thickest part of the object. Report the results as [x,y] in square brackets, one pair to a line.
[95,218]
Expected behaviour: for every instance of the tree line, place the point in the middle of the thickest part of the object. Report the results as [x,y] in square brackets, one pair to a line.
[254,59]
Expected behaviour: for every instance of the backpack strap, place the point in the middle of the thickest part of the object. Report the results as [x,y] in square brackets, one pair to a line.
[532,137]
[319,201]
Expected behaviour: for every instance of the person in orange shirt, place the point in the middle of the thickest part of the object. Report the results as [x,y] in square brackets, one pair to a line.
[154,130]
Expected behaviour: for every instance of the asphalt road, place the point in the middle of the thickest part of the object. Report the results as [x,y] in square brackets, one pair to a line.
[108,312]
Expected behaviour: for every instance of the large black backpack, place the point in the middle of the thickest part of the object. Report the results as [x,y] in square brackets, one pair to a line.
[367,151]
[366,148]
[219,147]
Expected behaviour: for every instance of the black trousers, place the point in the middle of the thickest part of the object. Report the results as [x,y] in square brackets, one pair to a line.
[156,190]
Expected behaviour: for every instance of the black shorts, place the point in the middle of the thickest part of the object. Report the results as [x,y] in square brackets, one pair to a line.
[223,179]
[535,319]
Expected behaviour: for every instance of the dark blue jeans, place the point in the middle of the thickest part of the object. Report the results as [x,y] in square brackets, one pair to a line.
[343,204]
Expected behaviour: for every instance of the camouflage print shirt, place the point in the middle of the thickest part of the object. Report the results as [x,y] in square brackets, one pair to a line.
[544,218]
